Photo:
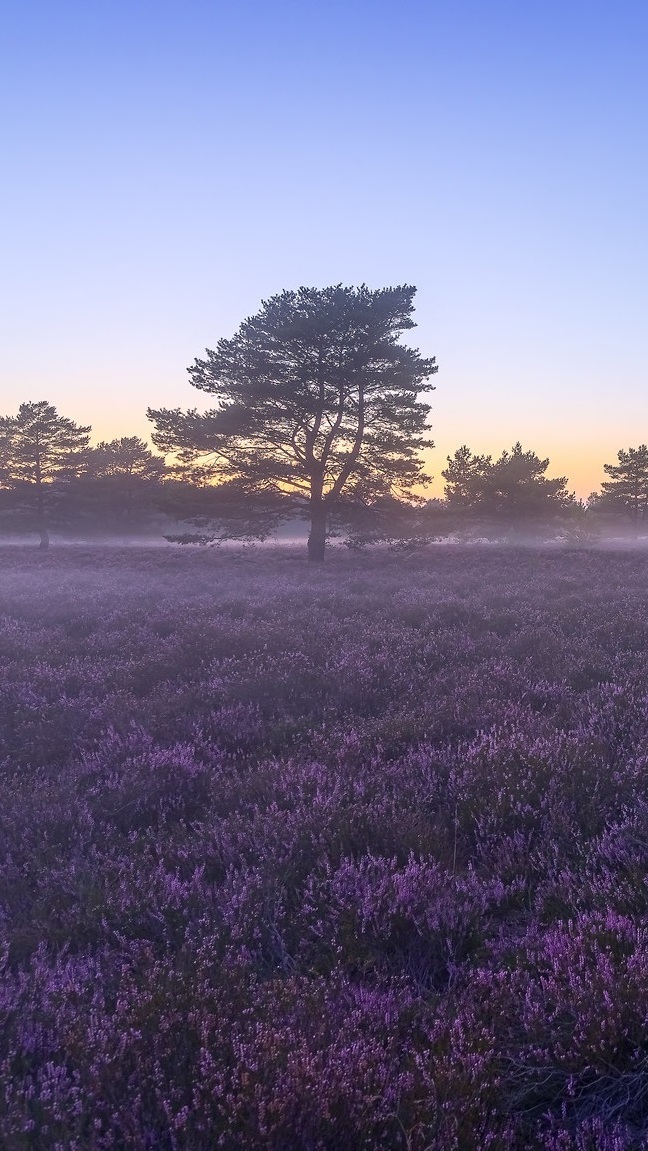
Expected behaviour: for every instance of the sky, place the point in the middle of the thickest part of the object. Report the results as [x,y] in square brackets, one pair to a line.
[169,164]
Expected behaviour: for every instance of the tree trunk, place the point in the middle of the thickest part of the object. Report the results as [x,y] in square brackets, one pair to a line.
[317,538]
[40,508]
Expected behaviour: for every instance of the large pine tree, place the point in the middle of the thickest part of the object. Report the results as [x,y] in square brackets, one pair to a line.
[315,396]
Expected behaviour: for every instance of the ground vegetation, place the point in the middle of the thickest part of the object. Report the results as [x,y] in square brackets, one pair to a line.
[348,857]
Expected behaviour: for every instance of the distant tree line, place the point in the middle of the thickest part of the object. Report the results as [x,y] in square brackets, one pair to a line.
[318,417]
[51,479]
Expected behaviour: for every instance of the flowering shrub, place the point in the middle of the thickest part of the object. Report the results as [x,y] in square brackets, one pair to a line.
[347,858]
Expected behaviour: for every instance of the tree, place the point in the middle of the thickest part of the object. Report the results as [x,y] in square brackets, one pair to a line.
[123,475]
[127,458]
[316,396]
[40,453]
[627,488]
[513,488]
[518,488]
[465,477]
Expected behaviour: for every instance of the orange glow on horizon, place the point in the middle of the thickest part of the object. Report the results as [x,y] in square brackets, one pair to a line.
[581,463]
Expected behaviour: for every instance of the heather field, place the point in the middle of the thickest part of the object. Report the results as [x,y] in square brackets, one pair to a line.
[339,858]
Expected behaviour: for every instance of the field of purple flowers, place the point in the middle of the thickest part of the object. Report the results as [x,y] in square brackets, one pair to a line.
[351,858]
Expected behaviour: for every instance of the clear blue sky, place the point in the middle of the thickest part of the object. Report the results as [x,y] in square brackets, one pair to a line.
[169,163]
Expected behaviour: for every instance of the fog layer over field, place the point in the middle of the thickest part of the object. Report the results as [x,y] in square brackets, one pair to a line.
[339,857]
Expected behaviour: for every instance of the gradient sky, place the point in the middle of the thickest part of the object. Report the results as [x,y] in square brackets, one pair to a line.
[170,163]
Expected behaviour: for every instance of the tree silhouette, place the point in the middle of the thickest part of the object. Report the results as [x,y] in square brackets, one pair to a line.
[123,475]
[466,477]
[512,489]
[40,453]
[518,488]
[627,488]
[316,397]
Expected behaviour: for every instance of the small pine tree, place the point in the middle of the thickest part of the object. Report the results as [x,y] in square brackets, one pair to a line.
[122,478]
[41,452]
[512,489]
[465,478]
[627,489]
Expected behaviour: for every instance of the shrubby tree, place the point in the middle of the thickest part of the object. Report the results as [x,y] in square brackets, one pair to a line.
[626,491]
[466,478]
[317,397]
[41,452]
[122,478]
[519,488]
[127,459]
[512,489]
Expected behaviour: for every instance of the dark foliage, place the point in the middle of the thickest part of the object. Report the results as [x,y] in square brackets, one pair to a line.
[41,452]
[512,491]
[626,492]
[317,397]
